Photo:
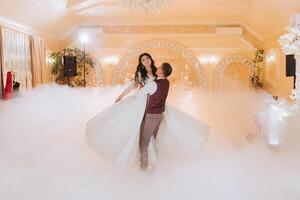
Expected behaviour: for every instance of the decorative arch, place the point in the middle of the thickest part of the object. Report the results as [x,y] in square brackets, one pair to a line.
[121,73]
[225,62]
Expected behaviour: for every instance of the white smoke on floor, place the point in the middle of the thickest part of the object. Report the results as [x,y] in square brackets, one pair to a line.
[43,154]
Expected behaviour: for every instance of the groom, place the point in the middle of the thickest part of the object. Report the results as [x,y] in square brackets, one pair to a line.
[154,112]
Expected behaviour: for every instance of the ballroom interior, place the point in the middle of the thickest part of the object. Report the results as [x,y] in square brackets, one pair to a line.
[212,42]
[235,66]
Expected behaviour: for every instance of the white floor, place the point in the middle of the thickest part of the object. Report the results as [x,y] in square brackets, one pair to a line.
[43,154]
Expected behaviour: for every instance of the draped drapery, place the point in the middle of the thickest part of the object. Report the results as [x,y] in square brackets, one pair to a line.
[16,57]
[38,56]
[1,73]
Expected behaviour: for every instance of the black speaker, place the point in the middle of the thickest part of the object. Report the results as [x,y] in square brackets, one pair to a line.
[290,65]
[70,66]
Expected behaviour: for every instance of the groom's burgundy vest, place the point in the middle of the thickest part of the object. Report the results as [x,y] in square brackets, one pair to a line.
[156,102]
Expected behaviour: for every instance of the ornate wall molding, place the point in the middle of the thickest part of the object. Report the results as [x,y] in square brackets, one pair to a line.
[251,39]
[159,29]
[247,35]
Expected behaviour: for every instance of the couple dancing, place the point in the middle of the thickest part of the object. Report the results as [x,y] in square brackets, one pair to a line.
[140,128]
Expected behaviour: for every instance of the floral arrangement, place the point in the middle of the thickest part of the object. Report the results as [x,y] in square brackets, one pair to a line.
[57,66]
[290,42]
[256,70]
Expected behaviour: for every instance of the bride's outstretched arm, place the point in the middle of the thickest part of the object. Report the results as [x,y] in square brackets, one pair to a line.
[127,90]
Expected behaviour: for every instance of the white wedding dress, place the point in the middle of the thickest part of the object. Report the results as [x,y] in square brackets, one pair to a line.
[114,132]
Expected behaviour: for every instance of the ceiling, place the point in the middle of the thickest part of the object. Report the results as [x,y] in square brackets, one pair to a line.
[54,18]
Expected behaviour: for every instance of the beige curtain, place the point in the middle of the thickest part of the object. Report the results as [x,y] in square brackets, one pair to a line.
[16,57]
[1,74]
[38,55]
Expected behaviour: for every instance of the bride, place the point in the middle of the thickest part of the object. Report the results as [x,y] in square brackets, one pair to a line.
[115,132]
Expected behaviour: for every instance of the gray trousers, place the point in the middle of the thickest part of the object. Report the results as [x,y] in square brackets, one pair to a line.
[149,128]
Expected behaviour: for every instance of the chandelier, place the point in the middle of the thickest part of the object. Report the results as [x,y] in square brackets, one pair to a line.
[146,6]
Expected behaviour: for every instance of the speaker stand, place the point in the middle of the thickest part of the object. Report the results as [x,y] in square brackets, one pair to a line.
[84,64]
[69,82]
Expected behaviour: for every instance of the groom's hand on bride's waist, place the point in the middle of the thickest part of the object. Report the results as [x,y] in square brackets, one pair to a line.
[140,85]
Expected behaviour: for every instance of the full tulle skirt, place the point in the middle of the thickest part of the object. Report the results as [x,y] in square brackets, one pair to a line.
[114,133]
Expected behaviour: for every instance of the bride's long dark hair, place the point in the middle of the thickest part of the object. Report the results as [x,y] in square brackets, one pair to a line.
[141,69]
